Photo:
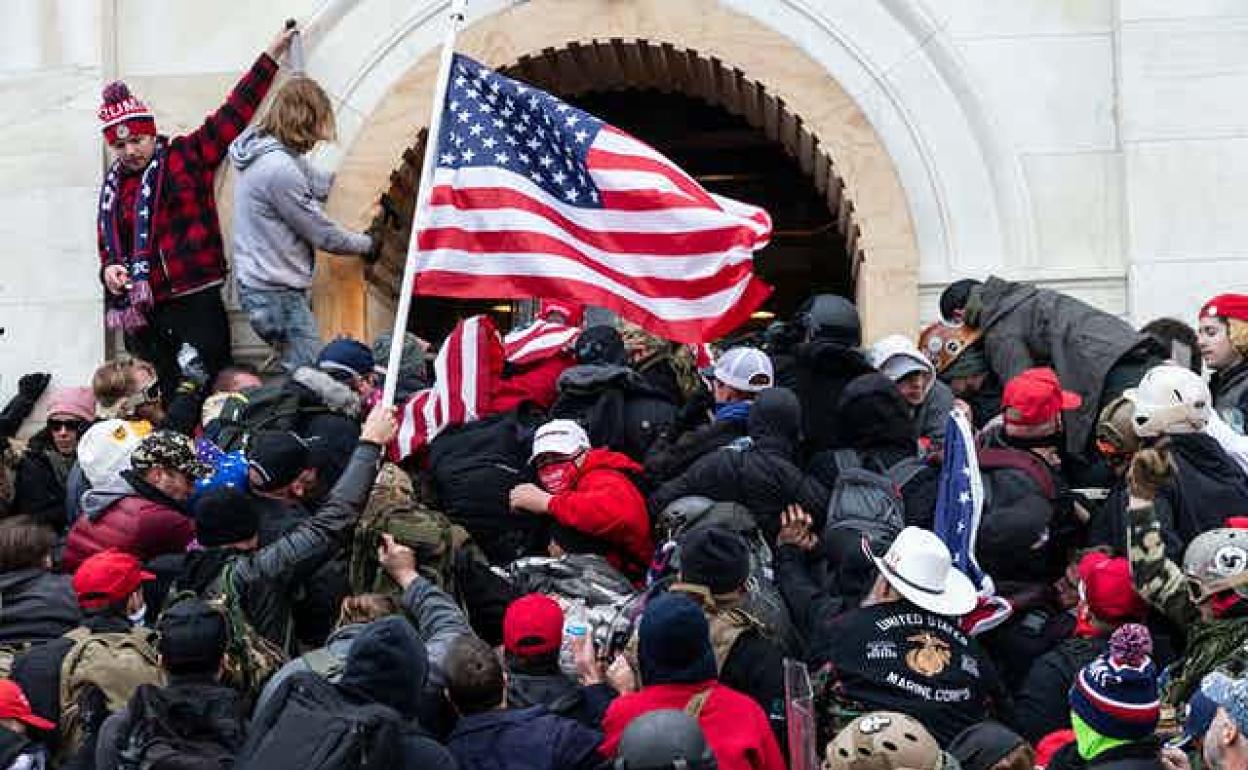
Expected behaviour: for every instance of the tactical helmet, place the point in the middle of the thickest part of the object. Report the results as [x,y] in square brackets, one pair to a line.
[1215,561]
[884,740]
[830,317]
[664,739]
[1170,400]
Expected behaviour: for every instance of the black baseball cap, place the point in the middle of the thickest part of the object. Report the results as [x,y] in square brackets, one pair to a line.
[277,457]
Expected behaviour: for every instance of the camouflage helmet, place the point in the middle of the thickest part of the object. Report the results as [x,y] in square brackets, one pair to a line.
[1116,427]
[171,450]
[884,740]
[1216,561]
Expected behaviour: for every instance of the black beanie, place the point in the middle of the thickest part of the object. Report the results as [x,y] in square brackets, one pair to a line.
[600,345]
[983,745]
[223,516]
[954,297]
[716,558]
[192,637]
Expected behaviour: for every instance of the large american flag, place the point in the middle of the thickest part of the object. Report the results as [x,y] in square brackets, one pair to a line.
[533,197]
[959,509]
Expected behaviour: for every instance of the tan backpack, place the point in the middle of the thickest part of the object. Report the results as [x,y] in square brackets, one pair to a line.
[113,663]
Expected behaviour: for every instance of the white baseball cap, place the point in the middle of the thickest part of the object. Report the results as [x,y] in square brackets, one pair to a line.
[559,437]
[745,369]
[919,567]
[105,448]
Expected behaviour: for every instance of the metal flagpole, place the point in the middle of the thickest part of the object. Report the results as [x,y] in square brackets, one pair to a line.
[458,8]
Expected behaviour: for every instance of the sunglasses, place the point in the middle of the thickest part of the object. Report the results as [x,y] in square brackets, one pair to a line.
[151,391]
[77,426]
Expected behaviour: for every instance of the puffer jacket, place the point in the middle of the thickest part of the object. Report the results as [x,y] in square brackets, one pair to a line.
[1024,327]
[278,215]
[36,606]
[822,370]
[129,515]
[1230,395]
[605,504]
[262,579]
[759,472]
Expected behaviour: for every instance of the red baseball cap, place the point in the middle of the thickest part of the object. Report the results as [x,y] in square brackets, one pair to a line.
[1108,589]
[533,625]
[14,705]
[1226,306]
[108,578]
[574,312]
[1035,397]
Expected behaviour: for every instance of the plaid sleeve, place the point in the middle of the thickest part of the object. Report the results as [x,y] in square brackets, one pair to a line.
[210,142]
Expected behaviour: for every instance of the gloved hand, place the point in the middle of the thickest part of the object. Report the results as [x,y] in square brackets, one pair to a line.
[32,385]
[1151,469]
[371,256]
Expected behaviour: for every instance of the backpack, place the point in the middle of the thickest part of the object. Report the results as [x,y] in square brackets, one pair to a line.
[269,407]
[869,501]
[251,659]
[394,510]
[311,726]
[108,665]
[170,733]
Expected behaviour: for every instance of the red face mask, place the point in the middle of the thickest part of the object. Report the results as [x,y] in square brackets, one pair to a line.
[557,477]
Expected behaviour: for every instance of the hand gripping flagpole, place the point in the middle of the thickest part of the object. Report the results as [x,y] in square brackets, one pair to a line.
[456,17]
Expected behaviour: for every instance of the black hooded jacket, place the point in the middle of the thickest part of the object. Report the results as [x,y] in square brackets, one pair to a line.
[36,606]
[40,486]
[619,409]
[822,370]
[541,683]
[1207,489]
[760,472]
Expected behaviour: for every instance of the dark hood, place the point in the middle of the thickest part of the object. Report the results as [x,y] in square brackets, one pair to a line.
[874,415]
[388,664]
[776,419]
[829,358]
[997,298]
[1203,454]
[586,379]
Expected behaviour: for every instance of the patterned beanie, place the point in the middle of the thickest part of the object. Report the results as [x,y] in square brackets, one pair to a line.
[1116,694]
[122,115]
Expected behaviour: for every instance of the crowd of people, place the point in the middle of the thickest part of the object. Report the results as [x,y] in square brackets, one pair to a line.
[632,557]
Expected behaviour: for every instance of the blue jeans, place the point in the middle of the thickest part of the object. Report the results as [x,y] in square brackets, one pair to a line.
[283,318]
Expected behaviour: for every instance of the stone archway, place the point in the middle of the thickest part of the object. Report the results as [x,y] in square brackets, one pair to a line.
[692,46]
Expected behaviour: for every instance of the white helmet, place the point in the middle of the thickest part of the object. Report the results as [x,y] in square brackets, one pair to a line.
[1170,399]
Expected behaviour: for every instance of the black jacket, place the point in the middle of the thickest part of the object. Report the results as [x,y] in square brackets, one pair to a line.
[898,657]
[474,468]
[1207,488]
[760,472]
[38,672]
[1141,755]
[544,685]
[619,409]
[1042,703]
[671,456]
[1230,395]
[523,739]
[822,370]
[36,606]
[755,667]
[262,579]
[39,489]
[330,416]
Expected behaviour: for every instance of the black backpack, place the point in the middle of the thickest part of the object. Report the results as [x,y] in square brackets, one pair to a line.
[868,500]
[172,730]
[312,726]
[270,407]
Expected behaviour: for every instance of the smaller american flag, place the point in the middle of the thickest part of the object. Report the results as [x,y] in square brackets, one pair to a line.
[959,508]
[539,341]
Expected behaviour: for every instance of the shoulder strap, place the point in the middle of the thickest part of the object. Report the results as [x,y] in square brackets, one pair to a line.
[903,472]
[323,663]
[1020,460]
[698,702]
[846,459]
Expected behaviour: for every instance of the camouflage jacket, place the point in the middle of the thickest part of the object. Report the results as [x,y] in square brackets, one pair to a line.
[1158,577]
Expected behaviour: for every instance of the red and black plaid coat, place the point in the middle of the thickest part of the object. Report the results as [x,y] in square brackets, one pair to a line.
[190,253]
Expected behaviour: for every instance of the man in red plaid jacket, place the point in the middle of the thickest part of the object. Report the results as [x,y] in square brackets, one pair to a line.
[162,259]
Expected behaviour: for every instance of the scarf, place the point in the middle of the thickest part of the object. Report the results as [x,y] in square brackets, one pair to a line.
[128,311]
[1089,742]
[733,411]
[1209,645]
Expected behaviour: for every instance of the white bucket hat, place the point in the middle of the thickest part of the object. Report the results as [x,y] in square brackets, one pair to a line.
[559,437]
[919,567]
[746,369]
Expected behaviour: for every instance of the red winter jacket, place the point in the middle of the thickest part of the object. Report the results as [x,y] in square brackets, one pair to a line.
[130,523]
[736,728]
[604,503]
[190,255]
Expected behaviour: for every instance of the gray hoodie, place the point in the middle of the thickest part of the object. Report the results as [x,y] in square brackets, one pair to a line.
[278,219]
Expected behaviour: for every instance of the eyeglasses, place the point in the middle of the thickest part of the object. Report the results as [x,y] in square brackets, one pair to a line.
[151,391]
[77,426]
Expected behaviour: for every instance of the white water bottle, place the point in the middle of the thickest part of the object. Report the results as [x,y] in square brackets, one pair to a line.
[575,629]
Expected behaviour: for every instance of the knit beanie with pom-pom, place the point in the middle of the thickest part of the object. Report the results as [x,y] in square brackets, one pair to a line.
[123,115]
[1116,694]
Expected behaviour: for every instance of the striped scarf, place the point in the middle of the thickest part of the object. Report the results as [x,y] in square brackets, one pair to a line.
[128,311]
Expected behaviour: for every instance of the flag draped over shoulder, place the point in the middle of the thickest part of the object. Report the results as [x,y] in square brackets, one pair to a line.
[539,341]
[534,198]
[959,508]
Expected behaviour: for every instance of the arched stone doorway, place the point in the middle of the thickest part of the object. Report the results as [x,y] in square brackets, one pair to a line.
[727,60]
[733,136]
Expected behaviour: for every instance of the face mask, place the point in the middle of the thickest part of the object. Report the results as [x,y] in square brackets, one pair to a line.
[138,618]
[557,477]
[1039,442]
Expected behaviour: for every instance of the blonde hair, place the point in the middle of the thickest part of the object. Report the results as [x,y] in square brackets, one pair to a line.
[300,116]
[365,608]
[116,381]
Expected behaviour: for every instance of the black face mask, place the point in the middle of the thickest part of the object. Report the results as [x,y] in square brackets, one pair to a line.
[1054,441]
